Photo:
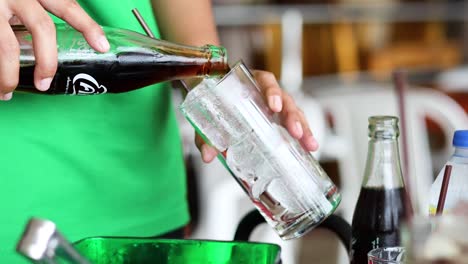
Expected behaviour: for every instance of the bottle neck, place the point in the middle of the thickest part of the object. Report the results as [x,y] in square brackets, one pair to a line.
[214,58]
[217,64]
[215,67]
[383,169]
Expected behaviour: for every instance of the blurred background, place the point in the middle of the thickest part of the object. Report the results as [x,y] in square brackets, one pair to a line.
[336,57]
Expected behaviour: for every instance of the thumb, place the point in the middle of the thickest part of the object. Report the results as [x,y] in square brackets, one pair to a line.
[208,153]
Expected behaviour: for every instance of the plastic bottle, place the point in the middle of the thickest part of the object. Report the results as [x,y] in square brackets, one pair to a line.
[457,191]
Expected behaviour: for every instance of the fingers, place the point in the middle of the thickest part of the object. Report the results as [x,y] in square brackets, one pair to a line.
[295,122]
[38,22]
[35,18]
[270,90]
[208,153]
[71,12]
[9,63]
[308,140]
[291,116]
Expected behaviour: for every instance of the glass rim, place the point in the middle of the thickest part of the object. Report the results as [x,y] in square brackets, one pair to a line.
[371,255]
[383,127]
[384,119]
[239,65]
[173,240]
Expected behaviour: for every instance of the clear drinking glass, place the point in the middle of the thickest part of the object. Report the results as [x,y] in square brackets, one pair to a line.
[387,255]
[284,182]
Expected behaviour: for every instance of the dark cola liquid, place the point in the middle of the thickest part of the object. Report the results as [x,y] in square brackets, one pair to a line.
[128,71]
[376,221]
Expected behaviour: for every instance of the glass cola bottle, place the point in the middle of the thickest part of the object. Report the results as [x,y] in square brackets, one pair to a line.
[133,61]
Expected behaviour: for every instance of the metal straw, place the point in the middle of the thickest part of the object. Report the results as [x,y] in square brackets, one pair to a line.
[443,189]
[143,23]
[399,79]
[150,34]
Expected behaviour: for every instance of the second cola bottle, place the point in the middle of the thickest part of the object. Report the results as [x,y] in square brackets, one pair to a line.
[134,61]
[380,209]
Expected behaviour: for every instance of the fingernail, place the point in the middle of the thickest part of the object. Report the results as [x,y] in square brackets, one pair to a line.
[6,96]
[103,43]
[313,143]
[275,103]
[44,84]
[299,128]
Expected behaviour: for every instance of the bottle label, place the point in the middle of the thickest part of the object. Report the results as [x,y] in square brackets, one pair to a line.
[366,241]
[360,246]
[432,210]
[85,84]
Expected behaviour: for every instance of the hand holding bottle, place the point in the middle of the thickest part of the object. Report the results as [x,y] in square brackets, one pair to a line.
[279,101]
[33,15]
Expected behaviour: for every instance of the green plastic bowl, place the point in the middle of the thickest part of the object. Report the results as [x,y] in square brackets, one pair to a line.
[106,250]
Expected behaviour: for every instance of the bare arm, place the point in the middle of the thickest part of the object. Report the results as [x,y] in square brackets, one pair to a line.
[186,21]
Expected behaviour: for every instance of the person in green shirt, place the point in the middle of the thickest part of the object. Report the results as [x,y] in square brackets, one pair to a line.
[107,165]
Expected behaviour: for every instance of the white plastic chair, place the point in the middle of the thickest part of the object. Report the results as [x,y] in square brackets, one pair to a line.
[454,80]
[350,108]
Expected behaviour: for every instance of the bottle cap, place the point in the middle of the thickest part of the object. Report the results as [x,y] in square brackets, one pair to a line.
[460,138]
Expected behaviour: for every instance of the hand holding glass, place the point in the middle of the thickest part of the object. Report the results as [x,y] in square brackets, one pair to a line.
[285,182]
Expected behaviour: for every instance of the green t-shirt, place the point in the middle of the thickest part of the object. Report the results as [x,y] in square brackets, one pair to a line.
[104,165]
